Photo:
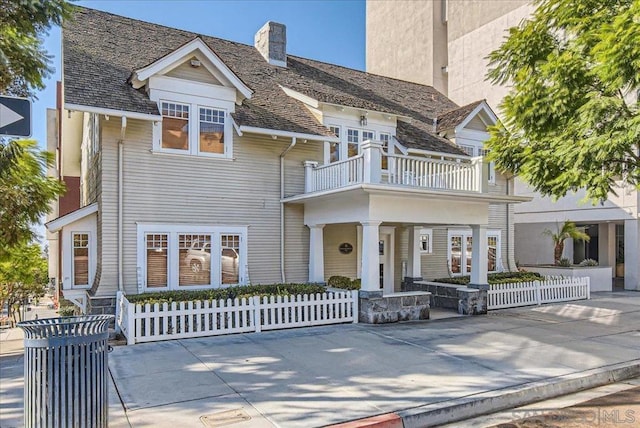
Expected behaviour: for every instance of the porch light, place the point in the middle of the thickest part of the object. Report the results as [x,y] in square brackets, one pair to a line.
[363,120]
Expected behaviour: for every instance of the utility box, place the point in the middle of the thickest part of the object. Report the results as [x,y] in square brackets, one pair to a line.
[66,381]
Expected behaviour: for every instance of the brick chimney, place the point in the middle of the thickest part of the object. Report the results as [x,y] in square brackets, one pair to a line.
[271,42]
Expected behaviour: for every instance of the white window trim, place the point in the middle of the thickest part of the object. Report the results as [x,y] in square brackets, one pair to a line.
[429,233]
[468,233]
[194,131]
[89,259]
[173,230]
[353,123]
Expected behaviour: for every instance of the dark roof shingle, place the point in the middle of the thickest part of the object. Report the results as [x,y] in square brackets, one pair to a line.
[101,50]
[452,118]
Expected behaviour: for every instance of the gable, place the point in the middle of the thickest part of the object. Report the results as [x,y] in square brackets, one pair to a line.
[193,69]
[476,124]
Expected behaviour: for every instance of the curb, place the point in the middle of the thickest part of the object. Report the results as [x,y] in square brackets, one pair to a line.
[472,406]
[520,395]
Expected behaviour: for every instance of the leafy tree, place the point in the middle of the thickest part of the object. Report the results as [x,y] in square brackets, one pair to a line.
[571,119]
[25,191]
[23,62]
[23,275]
[568,230]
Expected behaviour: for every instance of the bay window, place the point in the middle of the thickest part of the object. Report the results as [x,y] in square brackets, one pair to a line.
[174,257]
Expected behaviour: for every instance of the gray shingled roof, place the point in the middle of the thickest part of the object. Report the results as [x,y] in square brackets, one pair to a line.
[101,50]
[452,118]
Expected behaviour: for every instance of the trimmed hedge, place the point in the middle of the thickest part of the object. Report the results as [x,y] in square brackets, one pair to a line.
[495,278]
[226,293]
[344,283]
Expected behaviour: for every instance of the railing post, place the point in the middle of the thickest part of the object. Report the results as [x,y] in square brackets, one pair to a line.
[372,157]
[481,169]
[309,177]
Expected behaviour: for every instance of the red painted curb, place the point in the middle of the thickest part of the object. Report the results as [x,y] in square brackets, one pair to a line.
[389,420]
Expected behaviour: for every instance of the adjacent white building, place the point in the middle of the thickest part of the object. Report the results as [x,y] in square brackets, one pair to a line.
[445,43]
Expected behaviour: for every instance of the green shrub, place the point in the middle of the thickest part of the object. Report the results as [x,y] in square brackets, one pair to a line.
[344,282]
[67,311]
[564,262]
[495,278]
[226,293]
[588,262]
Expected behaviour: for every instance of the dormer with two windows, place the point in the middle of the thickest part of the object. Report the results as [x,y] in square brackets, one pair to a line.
[196,94]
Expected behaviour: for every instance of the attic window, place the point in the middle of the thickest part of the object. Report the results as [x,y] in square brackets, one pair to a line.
[175,126]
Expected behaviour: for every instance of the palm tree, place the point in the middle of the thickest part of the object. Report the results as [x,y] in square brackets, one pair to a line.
[568,230]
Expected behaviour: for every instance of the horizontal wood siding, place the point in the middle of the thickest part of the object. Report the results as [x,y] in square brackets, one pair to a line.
[435,265]
[198,74]
[336,263]
[173,189]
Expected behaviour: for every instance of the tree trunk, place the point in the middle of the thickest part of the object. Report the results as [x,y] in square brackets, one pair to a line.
[557,252]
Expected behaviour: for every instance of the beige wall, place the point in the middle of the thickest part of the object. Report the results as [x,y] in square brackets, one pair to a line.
[72,123]
[408,40]
[399,41]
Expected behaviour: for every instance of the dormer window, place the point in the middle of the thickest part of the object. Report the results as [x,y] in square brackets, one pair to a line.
[183,134]
[175,126]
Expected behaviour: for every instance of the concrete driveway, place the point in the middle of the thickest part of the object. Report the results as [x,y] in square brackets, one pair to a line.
[326,375]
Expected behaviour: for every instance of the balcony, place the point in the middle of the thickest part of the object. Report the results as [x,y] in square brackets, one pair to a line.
[459,175]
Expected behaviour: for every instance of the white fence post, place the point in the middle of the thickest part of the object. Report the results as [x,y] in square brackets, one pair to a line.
[588,284]
[537,285]
[355,305]
[257,314]
[131,323]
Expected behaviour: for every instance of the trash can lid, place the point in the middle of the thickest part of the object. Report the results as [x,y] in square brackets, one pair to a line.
[66,326]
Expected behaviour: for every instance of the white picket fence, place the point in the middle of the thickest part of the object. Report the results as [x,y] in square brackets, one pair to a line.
[552,289]
[179,320]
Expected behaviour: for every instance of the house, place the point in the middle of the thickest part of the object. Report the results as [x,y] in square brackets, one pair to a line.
[204,163]
[446,44]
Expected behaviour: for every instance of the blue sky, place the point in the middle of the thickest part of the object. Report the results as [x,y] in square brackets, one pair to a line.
[330,30]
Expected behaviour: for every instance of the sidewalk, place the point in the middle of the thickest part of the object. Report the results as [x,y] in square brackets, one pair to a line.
[327,375]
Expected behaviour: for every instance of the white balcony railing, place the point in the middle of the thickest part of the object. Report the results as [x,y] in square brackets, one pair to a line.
[455,175]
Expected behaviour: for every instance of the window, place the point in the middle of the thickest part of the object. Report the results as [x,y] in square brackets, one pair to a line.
[194,255]
[425,241]
[205,135]
[353,141]
[80,259]
[460,258]
[368,135]
[334,148]
[384,138]
[156,252]
[211,130]
[190,257]
[175,126]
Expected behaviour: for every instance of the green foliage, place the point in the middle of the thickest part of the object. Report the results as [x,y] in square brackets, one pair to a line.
[567,124]
[495,278]
[25,190]
[564,262]
[226,293]
[67,311]
[23,275]
[588,262]
[568,230]
[344,282]
[24,64]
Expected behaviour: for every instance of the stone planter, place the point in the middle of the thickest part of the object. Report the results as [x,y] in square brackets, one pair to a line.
[600,277]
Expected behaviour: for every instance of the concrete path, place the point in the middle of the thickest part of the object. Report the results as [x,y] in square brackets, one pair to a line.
[326,375]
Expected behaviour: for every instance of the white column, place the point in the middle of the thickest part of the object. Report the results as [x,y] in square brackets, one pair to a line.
[370,256]
[372,155]
[607,245]
[632,254]
[316,253]
[414,266]
[479,257]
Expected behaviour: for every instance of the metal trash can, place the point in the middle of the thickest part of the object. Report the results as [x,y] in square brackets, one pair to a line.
[65,371]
